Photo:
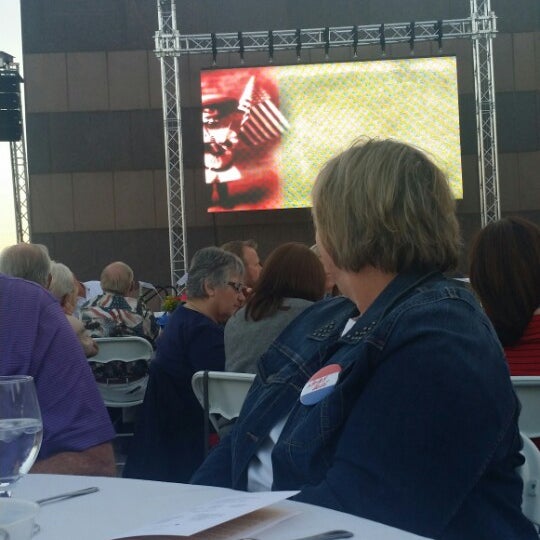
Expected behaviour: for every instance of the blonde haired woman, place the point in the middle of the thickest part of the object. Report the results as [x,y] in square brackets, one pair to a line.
[392,402]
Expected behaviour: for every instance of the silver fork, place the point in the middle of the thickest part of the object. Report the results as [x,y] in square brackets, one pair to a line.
[328,535]
[68,495]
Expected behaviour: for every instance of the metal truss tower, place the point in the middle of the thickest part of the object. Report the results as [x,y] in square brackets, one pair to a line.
[19,167]
[480,27]
[484,29]
[167,40]
[19,174]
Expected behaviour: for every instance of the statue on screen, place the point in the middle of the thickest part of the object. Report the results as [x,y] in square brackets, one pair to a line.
[220,139]
[235,130]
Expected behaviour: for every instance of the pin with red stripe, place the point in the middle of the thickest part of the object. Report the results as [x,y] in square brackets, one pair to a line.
[320,384]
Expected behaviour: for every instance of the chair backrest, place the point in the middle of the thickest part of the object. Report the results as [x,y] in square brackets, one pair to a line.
[93,288]
[122,385]
[530,473]
[226,393]
[154,295]
[528,392]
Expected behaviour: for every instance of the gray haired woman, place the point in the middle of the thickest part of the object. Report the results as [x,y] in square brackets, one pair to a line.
[63,287]
[169,439]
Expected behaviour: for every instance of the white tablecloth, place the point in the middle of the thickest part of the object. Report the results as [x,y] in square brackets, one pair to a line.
[122,505]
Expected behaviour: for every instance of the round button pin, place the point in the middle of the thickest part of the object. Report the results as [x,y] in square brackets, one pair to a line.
[320,384]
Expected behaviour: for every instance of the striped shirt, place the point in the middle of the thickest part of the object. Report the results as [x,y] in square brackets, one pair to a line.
[36,339]
[524,357]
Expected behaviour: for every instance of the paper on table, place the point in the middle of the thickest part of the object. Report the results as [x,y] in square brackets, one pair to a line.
[210,514]
[248,526]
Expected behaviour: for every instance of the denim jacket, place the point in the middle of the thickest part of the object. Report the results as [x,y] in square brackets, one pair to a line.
[420,431]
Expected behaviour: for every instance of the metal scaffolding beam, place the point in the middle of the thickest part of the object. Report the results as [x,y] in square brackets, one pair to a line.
[320,37]
[19,168]
[480,27]
[484,29]
[167,41]
[19,175]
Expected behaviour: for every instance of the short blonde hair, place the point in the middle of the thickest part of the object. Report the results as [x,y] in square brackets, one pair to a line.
[384,203]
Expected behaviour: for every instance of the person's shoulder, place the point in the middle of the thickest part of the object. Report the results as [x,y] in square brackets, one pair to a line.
[441,292]
[237,320]
[93,301]
[193,321]
[329,313]
[16,289]
[297,303]
[445,312]
[9,283]
[328,308]
[75,323]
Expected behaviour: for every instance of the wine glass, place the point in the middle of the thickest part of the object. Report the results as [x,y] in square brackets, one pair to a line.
[21,429]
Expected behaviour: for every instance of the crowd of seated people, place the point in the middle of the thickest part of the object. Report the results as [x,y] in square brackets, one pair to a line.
[388,399]
[291,280]
[169,436]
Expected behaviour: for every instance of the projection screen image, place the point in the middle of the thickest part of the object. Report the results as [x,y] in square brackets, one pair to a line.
[268,130]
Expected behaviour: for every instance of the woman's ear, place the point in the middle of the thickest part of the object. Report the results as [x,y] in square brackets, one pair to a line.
[209,289]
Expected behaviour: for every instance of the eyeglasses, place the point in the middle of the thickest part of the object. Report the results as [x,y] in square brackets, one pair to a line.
[238,287]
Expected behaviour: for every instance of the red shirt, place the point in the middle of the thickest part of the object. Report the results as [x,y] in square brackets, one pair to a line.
[524,357]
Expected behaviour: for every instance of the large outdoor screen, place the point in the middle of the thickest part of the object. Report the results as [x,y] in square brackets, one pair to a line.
[268,130]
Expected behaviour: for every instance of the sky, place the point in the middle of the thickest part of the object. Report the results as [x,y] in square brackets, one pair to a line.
[10,42]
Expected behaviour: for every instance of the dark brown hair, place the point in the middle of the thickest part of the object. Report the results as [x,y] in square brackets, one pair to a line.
[505,273]
[291,270]
[237,247]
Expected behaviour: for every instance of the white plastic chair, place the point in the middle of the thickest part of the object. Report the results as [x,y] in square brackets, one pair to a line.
[528,392]
[221,395]
[127,391]
[530,473]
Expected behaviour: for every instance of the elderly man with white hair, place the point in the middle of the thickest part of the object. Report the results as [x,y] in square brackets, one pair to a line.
[27,261]
[116,312]
[37,340]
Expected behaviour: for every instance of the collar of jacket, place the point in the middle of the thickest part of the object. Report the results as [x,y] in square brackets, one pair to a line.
[397,290]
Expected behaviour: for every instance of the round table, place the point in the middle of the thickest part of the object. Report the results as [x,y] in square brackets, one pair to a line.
[122,505]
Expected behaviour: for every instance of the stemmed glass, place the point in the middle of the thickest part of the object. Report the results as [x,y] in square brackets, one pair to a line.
[21,429]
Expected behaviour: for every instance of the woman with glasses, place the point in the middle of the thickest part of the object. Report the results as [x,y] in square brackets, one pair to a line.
[169,441]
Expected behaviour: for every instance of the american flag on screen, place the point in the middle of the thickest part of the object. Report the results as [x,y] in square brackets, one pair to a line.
[262,120]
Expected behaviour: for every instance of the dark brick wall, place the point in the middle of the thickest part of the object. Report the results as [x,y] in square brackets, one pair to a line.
[63,141]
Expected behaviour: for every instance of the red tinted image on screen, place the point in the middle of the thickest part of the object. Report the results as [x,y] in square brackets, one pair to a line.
[268,130]
[242,129]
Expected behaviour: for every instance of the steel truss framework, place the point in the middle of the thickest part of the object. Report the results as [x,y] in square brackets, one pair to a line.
[19,175]
[480,27]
